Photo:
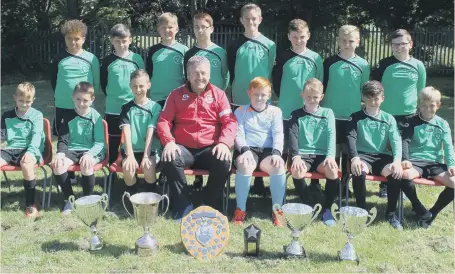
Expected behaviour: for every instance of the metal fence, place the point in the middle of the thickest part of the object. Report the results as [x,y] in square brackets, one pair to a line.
[435,48]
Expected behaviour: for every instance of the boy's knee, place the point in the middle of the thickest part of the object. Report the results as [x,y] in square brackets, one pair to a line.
[87,171]
[29,167]
[297,175]
[245,169]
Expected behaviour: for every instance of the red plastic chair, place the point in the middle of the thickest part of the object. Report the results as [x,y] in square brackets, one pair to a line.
[99,166]
[47,158]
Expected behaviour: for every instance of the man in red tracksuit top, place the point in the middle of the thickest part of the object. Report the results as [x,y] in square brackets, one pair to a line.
[197,130]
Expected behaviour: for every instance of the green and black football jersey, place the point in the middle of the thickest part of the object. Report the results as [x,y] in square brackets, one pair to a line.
[24,132]
[427,140]
[312,133]
[373,135]
[82,133]
[343,80]
[219,73]
[164,65]
[115,79]
[140,118]
[68,70]
[402,82]
[249,58]
[290,73]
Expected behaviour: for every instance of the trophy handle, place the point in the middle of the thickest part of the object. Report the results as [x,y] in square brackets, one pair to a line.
[373,213]
[104,201]
[317,208]
[335,212]
[167,199]
[123,201]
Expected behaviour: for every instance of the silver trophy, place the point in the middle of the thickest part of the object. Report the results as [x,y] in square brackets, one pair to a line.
[297,217]
[89,209]
[145,206]
[353,221]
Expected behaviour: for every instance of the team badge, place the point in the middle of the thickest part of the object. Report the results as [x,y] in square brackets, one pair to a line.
[438,135]
[208,99]
[413,75]
[177,59]
[215,63]
[185,97]
[261,54]
[204,232]
[84,67]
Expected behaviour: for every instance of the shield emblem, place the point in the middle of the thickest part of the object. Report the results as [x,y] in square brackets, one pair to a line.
[204,234]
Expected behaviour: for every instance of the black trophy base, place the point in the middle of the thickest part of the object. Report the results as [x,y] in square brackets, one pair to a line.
[295,256]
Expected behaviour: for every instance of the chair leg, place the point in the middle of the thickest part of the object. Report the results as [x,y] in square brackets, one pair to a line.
[50,191]
[400,207]
[7,182]
[340,194]
[44,188]
[347,190]
[109,186]
[286,187]
[226,199]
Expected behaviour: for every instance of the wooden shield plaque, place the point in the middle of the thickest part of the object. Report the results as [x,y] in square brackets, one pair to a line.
[204,232]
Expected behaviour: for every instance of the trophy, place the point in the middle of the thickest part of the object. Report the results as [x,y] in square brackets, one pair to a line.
[145,206]
[297,217]
[89,209]
[353,220]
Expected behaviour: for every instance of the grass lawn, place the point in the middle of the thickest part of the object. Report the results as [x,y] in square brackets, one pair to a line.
[55,243]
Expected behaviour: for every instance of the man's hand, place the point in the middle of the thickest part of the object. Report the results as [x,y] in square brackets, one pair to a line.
[276,161]
[452,171]
[396,169]
[330,162]
[222,152]
[87,161]
[169,151]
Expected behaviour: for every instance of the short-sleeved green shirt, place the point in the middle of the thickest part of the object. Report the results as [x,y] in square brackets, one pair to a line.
[140,118]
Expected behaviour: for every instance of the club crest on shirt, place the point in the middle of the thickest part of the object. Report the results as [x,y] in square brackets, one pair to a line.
[383,129]
[177,59]
[185,97]
[215,63]
[84,67]
[208,99]
[438,135]
[261,54]
[322,125]
[355,74]
[413,75]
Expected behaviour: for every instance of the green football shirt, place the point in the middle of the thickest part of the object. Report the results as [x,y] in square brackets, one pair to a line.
[219,73]
[82,133]
[290,73]
[312,133]
[140,118]
[24,132]
[402,82]
[427,140]
[373,135]
[343,80]
[247,59]
[68,70]
[164,65]
[115,79]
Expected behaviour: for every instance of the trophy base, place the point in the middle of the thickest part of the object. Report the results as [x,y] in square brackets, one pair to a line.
[95,244]
[144,252]
[348,253]
[300,255]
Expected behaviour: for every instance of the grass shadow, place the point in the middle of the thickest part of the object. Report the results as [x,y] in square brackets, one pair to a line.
[55,246]
[115,251]
[176,248]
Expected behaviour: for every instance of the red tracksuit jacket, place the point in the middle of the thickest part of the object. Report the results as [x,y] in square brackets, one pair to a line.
[197,121]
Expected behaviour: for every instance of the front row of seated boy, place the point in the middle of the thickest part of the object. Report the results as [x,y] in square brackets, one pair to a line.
[373,137]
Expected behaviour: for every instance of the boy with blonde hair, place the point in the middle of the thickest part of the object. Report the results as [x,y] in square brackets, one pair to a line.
[80,141]
[312,145]
[344,75]
[164,63]
[428,153]
[22,130]
[259,144]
